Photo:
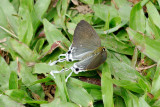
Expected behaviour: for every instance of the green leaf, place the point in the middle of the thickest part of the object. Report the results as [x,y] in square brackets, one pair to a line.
[152,30]
[107,86]
[61,90]
[158,2]
[91,2]
[18,95]
[153,14]
[157,103]
[83,84]
[40,8]
[125,95]
[119,102]
[28,78]
[4,75]
[144,85]
[39,45]
[95,93]
[23,50]
[79,95]
[116,45]
[5,101]
[124,12]
[13,80]
[14,66]
[60,15]
[124,9]
[48,50]
[12,23]
[135,100]
[143,103]
[25,30]
[71,27]
[123,71]
[45,68]
[4,24]
[133,86]
[53,34]
[137,18]
[58,103]
[115,22]
[107,10]
[116,28]
[16,4]
[121,3]
[122,58]
[87,17]
[156,80]
[146,45]
[44,80]
[134,58]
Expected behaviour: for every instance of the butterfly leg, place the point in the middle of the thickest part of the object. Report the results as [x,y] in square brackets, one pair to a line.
[61,55]
[68,57]
[55,72]
[68,76]
[74,69]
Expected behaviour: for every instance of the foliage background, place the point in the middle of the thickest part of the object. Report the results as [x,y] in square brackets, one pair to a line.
[34,32]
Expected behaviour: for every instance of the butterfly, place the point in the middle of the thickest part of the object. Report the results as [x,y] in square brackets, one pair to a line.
[86,49]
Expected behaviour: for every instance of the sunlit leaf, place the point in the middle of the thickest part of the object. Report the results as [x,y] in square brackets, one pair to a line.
[28,78]
[58,103]
[4,75]
[6,101]
[53,34]
[146,45]
[79,95]
[137,18]
[107,86]
[153,14]
[23,50]
[13,81]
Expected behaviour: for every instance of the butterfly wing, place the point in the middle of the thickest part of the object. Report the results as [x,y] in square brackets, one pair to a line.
[92,62]
[85,40]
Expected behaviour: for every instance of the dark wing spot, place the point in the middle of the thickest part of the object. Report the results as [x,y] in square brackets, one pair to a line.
[70,60]
[69,52]
[77,69]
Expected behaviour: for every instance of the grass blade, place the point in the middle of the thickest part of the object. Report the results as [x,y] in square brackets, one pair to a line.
[146,45]
[107,86]
[137,18]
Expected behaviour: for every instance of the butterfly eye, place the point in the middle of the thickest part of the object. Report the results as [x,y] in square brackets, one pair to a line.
[104,49]
[70,60]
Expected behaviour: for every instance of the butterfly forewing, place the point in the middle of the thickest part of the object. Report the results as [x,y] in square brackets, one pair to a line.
[85,40]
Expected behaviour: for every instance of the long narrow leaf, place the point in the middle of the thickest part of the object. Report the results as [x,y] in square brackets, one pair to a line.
[137,18]
[146,45]
[107,86]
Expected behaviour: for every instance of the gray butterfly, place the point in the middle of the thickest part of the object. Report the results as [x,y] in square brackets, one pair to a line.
[86,49]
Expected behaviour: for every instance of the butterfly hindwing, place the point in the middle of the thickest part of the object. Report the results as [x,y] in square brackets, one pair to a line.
[92,62]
